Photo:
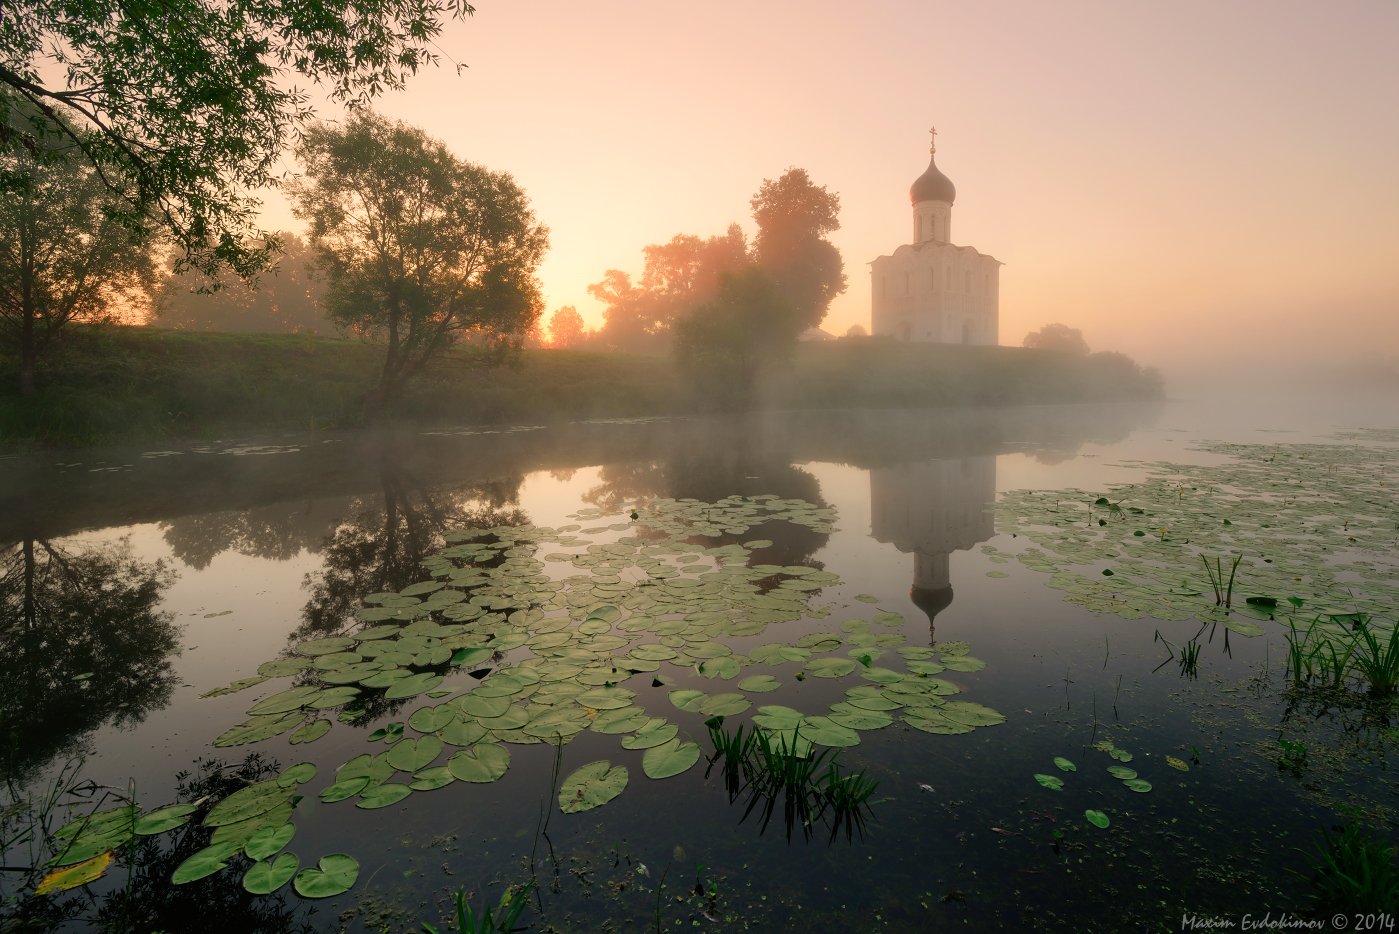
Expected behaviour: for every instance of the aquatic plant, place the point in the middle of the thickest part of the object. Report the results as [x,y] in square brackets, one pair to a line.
[502,920]
[1190,659]
[1223,591]
[1353,870]
[1376,661]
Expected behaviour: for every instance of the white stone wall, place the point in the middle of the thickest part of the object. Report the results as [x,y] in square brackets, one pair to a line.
[936,293]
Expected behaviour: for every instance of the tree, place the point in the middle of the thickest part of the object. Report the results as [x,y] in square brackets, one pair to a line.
[418,247]
[1058,337]
[678,277]
[794,216]
[566,328]
[725,341]
[64,256]
[185,108]
[856,330]
[289,298]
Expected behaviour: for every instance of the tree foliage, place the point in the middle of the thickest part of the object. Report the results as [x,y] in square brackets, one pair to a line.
[678,277]
[1058,337]
[794,216]
[418,247]
[64,256]
[566,328]
[184,107]
[725,342]
[288,298]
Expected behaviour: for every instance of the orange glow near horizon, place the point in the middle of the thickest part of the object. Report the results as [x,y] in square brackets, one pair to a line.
[1181,182]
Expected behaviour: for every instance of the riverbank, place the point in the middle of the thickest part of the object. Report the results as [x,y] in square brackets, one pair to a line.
[143,384]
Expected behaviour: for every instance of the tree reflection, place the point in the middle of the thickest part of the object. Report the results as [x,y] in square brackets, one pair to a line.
[699,468]
[279,532]
[84,644]
[382,547]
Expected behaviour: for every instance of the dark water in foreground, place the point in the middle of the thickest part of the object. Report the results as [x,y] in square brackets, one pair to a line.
[165,574]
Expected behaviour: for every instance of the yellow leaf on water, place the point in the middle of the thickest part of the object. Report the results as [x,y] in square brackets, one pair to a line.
[70,877]
[1175,763]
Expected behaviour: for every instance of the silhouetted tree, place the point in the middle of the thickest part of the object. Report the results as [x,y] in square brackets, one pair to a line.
[678,277]
[85,643]
[566,328]
[64,258]
[185,109]
[1058,337]
[724,343]
[856,330]
[287,298]
[794,215]
[418,247]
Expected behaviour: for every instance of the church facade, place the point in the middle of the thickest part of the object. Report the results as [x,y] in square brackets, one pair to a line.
[932,290]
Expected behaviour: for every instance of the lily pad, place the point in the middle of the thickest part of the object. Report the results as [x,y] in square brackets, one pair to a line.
[1050,782]
[591,785]
[670,758]
[481,763]
[269,840]
[163,819]
[203,863]
[264,878]
[334,875]
[381,796]
[1064,764]
[410,755]
[1139,785]
[1096,818]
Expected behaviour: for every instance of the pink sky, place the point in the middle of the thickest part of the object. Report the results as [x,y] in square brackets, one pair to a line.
[1220,178]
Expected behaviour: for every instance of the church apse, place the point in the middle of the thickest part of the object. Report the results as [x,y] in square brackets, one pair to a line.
[930,509]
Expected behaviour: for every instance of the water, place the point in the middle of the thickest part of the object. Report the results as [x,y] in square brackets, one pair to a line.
[167,574]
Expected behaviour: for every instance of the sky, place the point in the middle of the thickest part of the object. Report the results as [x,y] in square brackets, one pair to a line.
[1181,181]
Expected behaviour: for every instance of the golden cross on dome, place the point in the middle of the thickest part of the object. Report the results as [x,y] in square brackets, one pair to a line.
[933,142]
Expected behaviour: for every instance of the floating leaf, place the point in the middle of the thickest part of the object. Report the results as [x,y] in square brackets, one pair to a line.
[1096,818]
[310,732]
[1122,772]
[70,877]
[725,705]
[412,686]
[591,785]
[759,684]
[163,819]
[830,667]
[264,878]
[346,789]
[688,699]
[1175,763]
[430,779]
[1064,764]
[1050,782]
[381,796]
[334,875]
[651,736]
[483,763]
[269,840]
[1139,785]
[203,863]
[410,755]
[670,758]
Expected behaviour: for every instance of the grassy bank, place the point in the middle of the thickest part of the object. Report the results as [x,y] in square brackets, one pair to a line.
[142,384]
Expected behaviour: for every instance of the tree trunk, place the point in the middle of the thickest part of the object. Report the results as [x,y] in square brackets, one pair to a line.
[28,355]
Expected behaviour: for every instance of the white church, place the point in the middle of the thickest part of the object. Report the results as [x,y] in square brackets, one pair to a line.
[932,290]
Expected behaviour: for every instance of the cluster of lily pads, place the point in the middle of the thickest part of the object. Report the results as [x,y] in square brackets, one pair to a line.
[1313,524]
[525,634]
[1120,771]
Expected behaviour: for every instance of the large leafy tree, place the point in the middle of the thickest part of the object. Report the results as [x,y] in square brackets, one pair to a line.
[1058,337]
[65,255]
[678,276]
[794,216]
[183,107]
[418,247]
[566,328]
[726,342]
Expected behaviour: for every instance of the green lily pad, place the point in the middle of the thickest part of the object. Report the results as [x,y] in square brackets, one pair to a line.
[163,819]
[724,705]
[1122,772]
[1096,818]
[412,686]
[651,736]
[481,763]
[1139,785]
[670,758]
[430,779]
[759,684]
[830,667]
[1050,782]
[264,878]
[269,840]
[334,875]
[310,732]
[410,755]
[203,863]
[591,785]
[688,699]
[381,796]
[1064,764]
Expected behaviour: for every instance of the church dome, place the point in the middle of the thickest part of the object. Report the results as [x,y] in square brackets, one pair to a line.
[932,185]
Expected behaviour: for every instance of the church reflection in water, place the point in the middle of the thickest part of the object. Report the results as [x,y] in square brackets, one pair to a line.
[930,509]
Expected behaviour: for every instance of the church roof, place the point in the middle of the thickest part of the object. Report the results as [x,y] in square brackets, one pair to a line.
[932,185]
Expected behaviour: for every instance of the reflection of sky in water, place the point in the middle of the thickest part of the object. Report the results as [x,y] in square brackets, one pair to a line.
[909,529]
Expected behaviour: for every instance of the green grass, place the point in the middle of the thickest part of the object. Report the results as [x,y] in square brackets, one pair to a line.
[1353,870]
[136,384]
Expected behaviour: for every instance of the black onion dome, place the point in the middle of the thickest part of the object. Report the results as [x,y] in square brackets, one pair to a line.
[932,185]
[931,602]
